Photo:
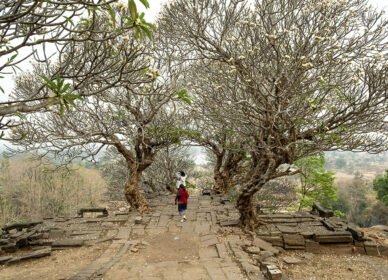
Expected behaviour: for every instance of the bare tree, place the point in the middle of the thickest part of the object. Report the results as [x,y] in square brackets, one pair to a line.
[211,130]
[225,146]
[41,31]
[302,77]
[136,117]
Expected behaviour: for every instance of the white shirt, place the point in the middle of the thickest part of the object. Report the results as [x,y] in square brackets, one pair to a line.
[180,180]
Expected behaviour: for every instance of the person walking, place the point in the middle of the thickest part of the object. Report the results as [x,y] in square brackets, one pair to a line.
[181,179]
[181,198]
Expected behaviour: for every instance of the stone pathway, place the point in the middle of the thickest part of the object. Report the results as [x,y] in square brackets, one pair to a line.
[161,247]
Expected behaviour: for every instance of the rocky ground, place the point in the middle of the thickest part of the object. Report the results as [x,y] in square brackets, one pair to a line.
[334,266]
[208,246]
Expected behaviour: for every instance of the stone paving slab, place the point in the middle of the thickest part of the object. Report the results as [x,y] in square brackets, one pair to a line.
[213,261]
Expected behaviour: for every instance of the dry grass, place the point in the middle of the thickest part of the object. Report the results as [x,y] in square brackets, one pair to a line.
[60,265]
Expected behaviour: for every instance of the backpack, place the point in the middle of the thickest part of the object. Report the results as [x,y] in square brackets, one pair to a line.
[179,195]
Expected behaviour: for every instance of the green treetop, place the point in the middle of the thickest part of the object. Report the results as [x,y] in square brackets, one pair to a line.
[316,184]
[381,186]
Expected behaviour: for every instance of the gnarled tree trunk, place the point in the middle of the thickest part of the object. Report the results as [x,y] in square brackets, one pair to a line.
[134,197]
[226,169]
[261,173]
[248,215]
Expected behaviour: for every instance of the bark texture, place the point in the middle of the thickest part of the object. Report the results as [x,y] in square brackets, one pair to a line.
[223,182]
[226,170]
[248,215]
[134,197]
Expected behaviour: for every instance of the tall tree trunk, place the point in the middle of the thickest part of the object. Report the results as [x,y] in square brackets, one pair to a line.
[132,193]
[222,178]
[248,215]
[258,176]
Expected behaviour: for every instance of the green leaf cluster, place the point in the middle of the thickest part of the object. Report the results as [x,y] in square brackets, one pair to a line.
[142,27]
[59,92]
[380,185]
[316,184]
[182,95]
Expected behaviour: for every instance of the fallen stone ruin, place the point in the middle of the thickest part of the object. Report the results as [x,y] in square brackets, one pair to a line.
[23,241]
[308,232]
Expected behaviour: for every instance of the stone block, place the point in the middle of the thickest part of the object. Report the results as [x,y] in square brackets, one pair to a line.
[57,233]
[383,250]
[265,265]
[257,242]
[307,234]
[274,240]
[265,255]
[252,271]
[288,229]
[253,250]
[209,242]
[321,211]
[328,225]
[22,240]
[207,237]
[20,226]
[68,243]
[40,243]
[274,274]
[33,255]
[9,248]
[104,211]
[221,250]
[356,233]
[312,246]
[208,253]
[4,241]
[214,271]
[371,249]
[5,259]
[334,237]
[294,241]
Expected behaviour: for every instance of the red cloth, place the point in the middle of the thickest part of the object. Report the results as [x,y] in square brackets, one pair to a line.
[184,196]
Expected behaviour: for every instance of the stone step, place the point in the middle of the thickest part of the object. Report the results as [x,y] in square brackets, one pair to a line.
[68,243]
[334,237]
[33,255]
